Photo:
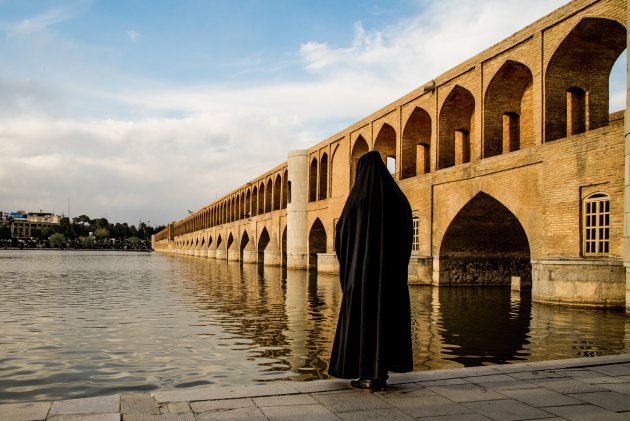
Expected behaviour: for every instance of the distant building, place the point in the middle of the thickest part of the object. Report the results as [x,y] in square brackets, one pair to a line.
[26,225]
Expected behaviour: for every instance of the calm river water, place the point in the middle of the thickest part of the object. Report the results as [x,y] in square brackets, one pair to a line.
[78,324]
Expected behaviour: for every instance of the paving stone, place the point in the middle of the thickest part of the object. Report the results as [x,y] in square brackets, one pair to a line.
[490,379]
[215,392]
[286,400]
[458,417]
[585,413]
[242,414]
[591,377]
[25,411]
[99,405]
[511,385]
[85,417]
[610,400]
[391,414]
[350,401]
[445,382]
[540,397]
[315,412]
[322,386]
[163,417]
[220,405]
[506,410]
[407,389]
[566,386]
[427,406]
[534,375]
[138,403]
[465,392]
[175,408]
[613,370]
[619,387]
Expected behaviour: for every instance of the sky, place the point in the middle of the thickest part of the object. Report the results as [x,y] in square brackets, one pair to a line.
[138,110]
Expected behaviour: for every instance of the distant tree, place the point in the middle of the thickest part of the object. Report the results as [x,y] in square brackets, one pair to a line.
[101,232]
[134,240]
[46,233]
[100,223]
[82,219]
[88,241]
[56,239]
[5,232]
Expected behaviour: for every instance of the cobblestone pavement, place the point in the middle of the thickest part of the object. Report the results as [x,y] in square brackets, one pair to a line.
[577,389]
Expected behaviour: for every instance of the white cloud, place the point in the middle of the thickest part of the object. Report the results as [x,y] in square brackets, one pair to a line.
[38,23]
[133,35]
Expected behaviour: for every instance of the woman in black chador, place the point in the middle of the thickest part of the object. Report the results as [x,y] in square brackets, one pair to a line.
[373,245]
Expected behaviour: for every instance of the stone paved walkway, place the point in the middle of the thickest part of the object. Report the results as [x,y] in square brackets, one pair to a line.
[576,389]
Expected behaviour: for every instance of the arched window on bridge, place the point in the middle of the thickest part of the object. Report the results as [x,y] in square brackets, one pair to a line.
[312,181]
[323,177]
[596,225]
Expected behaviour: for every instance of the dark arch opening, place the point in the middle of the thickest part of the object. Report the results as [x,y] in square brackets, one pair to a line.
[284,246]
[316,243]
[263,241]
[456,125]
[244,241]
[359,149]
[416,145]
[312,181]
[323,177]
[385,144]
[230,241]
[485,244]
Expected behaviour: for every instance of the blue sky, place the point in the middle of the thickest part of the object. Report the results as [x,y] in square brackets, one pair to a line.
[139,110]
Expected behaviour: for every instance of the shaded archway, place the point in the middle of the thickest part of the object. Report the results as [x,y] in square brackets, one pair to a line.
[323,177]
[316,243]
[230,240]
[284,246]
[416,145]
[285,188]
[263,241]
[485,244]
[255,201]
[508,110]
[456,128]
[581,64]
[244,242]
[268,196]
[261,198]
[385,144]
[359,149]
[312,181]
[219,241]
[277,187]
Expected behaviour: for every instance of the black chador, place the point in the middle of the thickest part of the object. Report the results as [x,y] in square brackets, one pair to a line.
[373,245]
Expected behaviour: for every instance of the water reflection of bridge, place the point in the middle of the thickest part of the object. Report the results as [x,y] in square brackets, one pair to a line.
[512,161]
[284,321]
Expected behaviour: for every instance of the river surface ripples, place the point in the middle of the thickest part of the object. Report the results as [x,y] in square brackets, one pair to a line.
[78,324]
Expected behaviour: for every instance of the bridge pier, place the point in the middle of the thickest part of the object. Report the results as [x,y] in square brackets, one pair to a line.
[297,239]
[626,205]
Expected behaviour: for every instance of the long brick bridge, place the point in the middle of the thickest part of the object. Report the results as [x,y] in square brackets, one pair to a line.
[512,162]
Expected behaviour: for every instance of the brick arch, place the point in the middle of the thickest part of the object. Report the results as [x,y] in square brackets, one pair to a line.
[416,144]
[385,144]
[312,180]
[484,244]
[254,201]
[359,149]
[323,177]
[583,60]
[268,195]
[277,191]
[457,129]
[316,242]
[508,110]
[285,188]
[261,198]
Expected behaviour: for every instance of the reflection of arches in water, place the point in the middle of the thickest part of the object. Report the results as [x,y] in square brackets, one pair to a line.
[482,325]
[485,244]
[284,247]
[316,243]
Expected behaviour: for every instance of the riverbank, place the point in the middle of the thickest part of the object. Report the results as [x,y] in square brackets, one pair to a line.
[596,388]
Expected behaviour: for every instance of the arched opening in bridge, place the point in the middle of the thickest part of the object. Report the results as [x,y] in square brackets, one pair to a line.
[268,196]
[457,118]
[285,189]
[284,247]
[508,110]
[203,242]
[316,243]
[263,240]
[248,204]
[209,241]
[385,144]
[359,149]
[312,181]
[219,241]
[277,186]
[416,145]
[323,177]
[261,199]
[336,163]
[230,240]
[244,242]
[583,61]
[485,244]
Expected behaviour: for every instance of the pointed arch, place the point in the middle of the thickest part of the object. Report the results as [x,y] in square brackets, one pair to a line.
[255,201]
[457,118]
[316,242]
[359,149]
[508,110]
[416,144]
[312,181]
[277,191]
[577,77]
[385,144]
[323,177]
[261,198]
[269,195]
[285,188]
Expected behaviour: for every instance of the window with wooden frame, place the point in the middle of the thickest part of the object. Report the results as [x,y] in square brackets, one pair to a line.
[596,225]
[416,234]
